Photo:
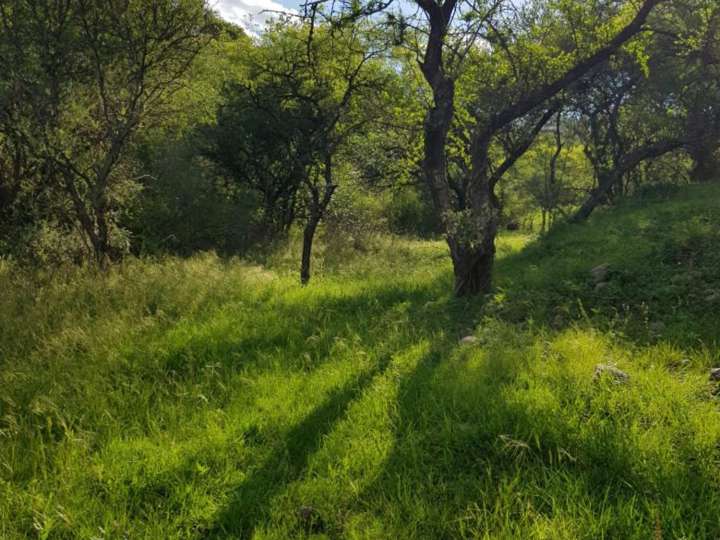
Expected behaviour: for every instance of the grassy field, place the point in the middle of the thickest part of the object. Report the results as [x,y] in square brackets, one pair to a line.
[204,398]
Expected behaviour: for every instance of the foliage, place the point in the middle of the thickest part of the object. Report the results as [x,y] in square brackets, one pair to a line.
[80,78]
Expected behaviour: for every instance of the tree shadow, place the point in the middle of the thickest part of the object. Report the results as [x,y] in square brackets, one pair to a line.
[474,452]
[478,464]
[419,314]
[250,503]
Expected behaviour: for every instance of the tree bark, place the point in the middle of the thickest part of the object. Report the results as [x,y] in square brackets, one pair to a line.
[706,165]
[318,206]
[436,127]
[473,268]
[472,245]
[473,261]
[308,237]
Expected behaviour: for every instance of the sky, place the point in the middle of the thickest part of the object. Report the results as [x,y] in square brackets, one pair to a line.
[249,13]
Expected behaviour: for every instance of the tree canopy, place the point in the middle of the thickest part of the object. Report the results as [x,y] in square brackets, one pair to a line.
[155,126]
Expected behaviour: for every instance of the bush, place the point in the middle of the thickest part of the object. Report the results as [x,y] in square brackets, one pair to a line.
[409,213]
[186,208]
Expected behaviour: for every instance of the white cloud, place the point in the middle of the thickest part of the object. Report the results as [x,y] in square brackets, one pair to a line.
[251,15]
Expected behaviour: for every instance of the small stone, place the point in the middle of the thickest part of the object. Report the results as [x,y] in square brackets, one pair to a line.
[469,340]
[600,273]
[617,375]
[715,374]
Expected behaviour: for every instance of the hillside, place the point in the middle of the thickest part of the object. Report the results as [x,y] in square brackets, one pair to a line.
[204,398]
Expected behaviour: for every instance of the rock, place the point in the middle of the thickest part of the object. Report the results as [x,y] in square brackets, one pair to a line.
[600,273]
[310,519]
[469,340]
[712,297]
[715,374]
[618,376]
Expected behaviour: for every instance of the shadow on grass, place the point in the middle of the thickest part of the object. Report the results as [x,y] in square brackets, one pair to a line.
[450,455]
[483,451]
[416,314]
[251,501]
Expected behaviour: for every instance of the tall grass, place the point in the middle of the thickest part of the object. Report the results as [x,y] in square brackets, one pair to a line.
[204,398]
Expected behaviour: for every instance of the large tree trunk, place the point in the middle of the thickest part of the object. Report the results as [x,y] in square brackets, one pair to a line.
[471,236]
[704,120]
[473,265]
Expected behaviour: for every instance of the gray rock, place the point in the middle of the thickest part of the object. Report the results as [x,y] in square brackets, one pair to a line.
[715,374]
[600,273]
[617,375]
[469,340]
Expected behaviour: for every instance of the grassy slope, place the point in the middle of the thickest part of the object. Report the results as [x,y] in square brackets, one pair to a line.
[196,399]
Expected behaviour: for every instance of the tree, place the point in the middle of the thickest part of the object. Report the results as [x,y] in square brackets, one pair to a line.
[258,142]
[471,223]
[625,120]
[687,40]
[80,79]
[280,131]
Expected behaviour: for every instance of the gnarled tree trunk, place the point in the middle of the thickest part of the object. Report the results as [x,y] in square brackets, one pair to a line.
[472,232]
[471,228]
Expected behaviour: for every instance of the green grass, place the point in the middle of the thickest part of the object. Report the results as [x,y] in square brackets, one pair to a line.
[204,398]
